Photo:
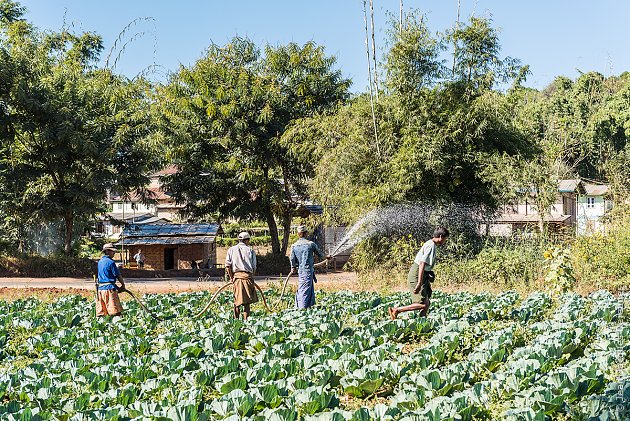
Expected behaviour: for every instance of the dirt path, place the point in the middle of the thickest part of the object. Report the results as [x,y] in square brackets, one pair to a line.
[11,288]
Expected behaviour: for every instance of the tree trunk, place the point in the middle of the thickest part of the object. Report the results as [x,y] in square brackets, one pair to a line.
[286,225]
[69,220]
[273,232]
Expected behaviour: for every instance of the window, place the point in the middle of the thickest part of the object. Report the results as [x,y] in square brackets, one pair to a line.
[590,202]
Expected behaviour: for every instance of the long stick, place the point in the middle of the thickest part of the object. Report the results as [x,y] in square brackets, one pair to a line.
[211,300]
[95,296]
[142,305]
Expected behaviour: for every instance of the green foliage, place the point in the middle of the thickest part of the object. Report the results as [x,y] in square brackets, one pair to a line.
[272,264]
[559,278]
[224,119]
[503,263]
[71,132]
[257,240]
[437,135]
[90,248]
[43,267]
[476,356]
[603,260]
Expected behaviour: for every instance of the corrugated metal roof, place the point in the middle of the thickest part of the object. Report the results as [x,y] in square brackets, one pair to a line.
[138,217]
[315,209]
[568,186]
[596,189]
[146,241]
[171,230]
[154,220]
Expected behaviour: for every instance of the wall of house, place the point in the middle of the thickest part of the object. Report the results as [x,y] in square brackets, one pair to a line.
[170,213]
[131,207]
[589,211]
[184,254]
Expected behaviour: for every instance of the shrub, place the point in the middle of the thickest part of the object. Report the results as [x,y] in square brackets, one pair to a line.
[272,264]
[501,264]
[260,240]
[559,278]
[603,260]
[43,267]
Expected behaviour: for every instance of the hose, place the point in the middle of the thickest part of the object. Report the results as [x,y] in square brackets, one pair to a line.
[141,304]
[221,289]
[211,300]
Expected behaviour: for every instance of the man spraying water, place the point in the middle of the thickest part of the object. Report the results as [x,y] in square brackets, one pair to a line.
[302,261]
[421,275]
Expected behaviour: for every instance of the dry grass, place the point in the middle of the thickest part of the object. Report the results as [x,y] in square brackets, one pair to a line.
[381,281]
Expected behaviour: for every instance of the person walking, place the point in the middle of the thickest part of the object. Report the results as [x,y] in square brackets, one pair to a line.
[139,257]
[240,265]
[107,300]
[302,261]
[421,275]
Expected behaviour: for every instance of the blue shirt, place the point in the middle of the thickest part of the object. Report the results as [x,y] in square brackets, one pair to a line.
[107,273]
[302,255]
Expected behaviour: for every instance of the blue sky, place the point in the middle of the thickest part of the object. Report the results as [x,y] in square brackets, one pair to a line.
[555,37]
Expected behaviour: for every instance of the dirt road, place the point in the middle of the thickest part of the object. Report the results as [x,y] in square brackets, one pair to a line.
[19,287]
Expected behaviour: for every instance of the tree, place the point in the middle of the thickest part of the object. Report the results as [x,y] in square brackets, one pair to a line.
[224,119]
[73,132]
[438,135]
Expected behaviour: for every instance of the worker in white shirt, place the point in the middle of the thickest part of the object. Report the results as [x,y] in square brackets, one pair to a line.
[240,265]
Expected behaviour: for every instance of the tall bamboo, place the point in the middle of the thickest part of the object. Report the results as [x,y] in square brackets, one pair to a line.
[367,50]
[374,49]
[455,40]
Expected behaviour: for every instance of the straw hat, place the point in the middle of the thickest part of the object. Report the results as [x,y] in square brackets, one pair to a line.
[109,246]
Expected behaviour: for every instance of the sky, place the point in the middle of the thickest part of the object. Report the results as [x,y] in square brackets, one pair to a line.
[554,37]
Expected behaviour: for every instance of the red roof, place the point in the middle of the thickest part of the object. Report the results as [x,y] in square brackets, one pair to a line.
[154,193]
[168,170]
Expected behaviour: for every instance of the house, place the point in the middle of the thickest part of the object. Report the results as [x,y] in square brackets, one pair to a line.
[171,246]
[132,209]
[578,207]
[591,206]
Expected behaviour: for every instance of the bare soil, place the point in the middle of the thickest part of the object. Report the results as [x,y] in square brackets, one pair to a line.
[51,288]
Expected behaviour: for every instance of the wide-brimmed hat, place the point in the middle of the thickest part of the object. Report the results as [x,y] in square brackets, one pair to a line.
[302,228]
[244,236]
[109,246]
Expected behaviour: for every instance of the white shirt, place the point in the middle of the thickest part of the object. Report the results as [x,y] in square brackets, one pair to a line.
[241,258]
[426,255]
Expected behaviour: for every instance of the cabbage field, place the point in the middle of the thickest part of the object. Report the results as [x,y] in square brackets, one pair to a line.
[476,356]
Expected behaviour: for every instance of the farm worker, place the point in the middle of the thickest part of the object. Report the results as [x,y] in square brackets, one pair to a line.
[240,264]
[139,257]
[302,256]
[107,300]
[421,275]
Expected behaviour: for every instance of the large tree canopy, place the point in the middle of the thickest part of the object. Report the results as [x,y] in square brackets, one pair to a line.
[71,132]
[439,131]
[224,119]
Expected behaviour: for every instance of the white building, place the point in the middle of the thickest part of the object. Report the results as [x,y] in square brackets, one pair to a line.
[133,210]
[578,208]
[591,207]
